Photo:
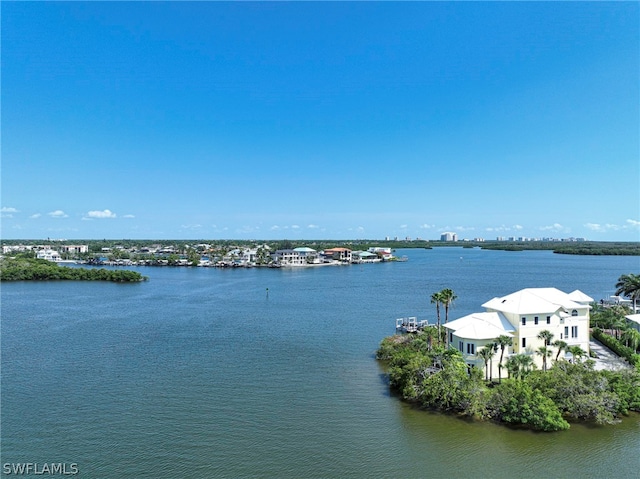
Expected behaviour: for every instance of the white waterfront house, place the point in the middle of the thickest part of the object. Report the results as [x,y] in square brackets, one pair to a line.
[49,255]
[364,257]
[522,316]
[295,257]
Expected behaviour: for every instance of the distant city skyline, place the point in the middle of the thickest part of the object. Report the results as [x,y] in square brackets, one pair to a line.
[329,120]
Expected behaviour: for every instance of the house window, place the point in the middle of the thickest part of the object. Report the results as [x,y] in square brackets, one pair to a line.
[471,348]
[450,337]
[574,331]
[461,346]
[524,321]
[548,319]
[574,312]
[524,342]
[566,331]
[535,320]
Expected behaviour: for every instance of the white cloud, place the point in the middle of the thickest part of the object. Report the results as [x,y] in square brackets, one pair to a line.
[275,228]
[129,216]
[101,214]
[247,229]
[553,227]
[7,212]
[191,227]
[595,227]
[498,228]
[294,227]
[35,215]
[426,226]
[633,224]
[58,214]
[403,227]
[313,227]
[501,228]
[603,228]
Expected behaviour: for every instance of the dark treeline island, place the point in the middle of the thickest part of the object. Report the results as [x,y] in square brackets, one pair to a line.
[21,268]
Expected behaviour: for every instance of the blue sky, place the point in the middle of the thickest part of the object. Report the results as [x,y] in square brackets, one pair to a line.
[320,120]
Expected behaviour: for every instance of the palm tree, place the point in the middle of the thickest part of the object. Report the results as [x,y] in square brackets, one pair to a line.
[577,352]
[545,352]
[437,299]
[447,297]
[546,335]
[526,363]
[561,345]
[632,338]
[618,323]
[486,354]
[502,341]
[629,286]
[430,332]
[494,348]
[513,366]
[519,365]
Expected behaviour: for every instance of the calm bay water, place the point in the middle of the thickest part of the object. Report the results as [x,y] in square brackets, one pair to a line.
[203,373]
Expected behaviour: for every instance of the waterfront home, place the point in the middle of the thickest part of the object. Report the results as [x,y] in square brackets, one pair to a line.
[364,257]
[384,254]
[295,257]
[522,316]
[338,254]
[49,255]
[473,332]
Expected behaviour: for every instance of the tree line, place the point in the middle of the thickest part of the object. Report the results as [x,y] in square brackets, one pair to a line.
[32,269]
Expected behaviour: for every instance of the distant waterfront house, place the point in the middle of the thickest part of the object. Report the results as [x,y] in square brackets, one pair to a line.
[382,253]
[523,315]
[338,254]
[364,257]
[308,255]
[249,255]
[49,255]
[296,256]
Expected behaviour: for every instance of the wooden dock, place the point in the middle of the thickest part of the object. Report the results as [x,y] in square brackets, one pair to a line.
[410,325]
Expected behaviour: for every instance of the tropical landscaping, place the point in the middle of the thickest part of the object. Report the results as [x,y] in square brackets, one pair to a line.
[424,371]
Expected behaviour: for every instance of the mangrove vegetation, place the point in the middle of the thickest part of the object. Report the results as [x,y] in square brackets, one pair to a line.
[23,268]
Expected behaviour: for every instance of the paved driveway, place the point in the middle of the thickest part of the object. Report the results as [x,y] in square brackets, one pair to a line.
[606,358]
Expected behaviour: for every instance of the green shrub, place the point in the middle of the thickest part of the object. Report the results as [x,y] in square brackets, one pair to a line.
[516,402]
